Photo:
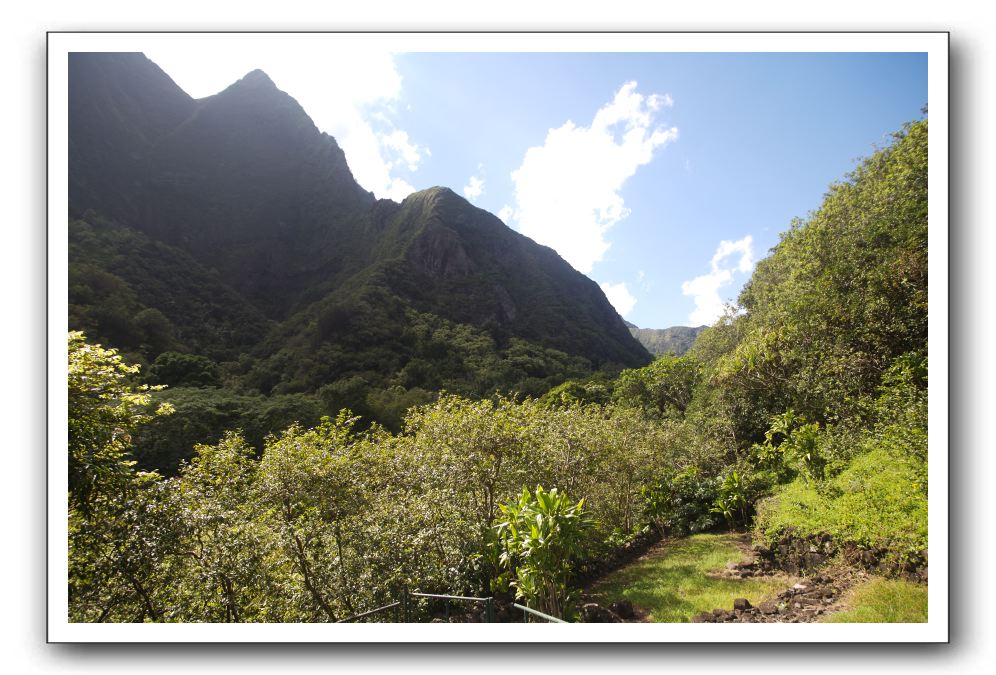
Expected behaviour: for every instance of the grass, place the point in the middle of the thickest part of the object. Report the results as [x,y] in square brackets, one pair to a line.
[876,502]
[671,585]
[881,600]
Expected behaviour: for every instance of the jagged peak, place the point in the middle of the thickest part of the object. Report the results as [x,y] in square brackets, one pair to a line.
[255,79]
[257,75]
[430,196]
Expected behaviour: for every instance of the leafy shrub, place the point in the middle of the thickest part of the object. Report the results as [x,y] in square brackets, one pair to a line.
[875,503]
[681,502]
[732,502]
[540,537]
[878,496]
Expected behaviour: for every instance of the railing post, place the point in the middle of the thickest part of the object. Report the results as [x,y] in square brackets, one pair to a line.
[489,610]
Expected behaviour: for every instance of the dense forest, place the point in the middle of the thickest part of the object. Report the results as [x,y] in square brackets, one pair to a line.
[483,458]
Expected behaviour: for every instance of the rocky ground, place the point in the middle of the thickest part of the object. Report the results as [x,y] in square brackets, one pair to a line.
[804,602]
[810,598]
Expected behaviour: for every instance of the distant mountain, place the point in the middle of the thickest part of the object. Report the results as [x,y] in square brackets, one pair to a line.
[677,339]
[231,227]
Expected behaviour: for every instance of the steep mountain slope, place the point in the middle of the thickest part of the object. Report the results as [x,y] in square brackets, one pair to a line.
[243,192]
[466,265]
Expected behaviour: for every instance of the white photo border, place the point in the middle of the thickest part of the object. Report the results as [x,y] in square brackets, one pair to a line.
[936,629]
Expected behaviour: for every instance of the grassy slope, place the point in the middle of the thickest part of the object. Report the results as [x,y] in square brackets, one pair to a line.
[884,601]
[671,584]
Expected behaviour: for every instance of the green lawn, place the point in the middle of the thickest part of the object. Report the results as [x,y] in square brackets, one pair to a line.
[883,601]
[671,586]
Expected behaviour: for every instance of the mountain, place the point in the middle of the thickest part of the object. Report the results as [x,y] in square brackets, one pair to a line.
[657,341]
[231,227]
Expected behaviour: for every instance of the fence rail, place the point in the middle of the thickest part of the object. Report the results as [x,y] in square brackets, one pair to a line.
[526,611]
[379,610]
[405,607]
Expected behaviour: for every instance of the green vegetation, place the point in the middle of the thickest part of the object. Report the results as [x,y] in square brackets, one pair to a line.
[881,600]
[371,412]
[541,538]
[334,520]
[659,341]
[677,581]
[876,494]
[663,389]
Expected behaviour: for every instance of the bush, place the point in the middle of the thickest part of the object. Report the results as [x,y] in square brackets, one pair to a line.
[681,503]
[540,538]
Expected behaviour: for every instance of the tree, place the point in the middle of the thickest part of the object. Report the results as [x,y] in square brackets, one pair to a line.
[184,370]
[104,410]
[113,551]
[663,389]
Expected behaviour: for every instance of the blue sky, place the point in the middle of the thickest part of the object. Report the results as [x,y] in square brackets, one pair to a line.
[663,177]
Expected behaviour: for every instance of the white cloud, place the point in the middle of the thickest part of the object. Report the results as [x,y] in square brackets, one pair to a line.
[397,142]
[506,213]
[567,190]
[705,289]
[620,297]
[348,92]
[475,185]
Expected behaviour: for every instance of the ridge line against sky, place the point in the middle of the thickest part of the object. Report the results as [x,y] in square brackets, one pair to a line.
[646,172]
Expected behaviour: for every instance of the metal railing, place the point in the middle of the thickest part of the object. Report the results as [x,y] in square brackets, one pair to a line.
[526,611]
[379,610]
[403,607]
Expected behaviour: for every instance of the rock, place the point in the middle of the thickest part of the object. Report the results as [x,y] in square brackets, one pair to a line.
[801,586]
[704,617]
[623,609]
[768,608]
[814,559]
[741,604]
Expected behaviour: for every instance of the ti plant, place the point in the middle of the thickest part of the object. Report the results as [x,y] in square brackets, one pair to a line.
[732,502]
[539,535]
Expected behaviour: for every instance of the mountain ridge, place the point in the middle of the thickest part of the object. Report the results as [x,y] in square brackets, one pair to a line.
[675,339]
[245,183]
